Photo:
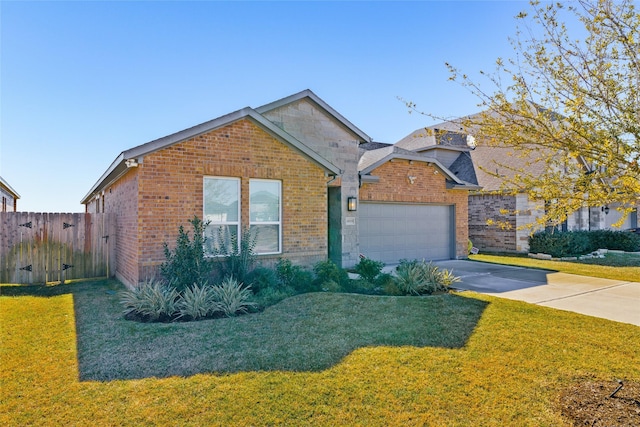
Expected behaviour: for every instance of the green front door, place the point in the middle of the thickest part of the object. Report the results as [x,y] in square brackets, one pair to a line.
[335,225]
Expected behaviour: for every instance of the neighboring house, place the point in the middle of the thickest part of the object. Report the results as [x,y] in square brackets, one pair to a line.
[9,197]
[483,165]
[292,171]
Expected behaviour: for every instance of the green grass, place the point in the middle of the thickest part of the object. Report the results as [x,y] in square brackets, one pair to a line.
[438,360]
[613,266]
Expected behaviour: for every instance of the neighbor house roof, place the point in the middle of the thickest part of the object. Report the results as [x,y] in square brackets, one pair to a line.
[120,165]
[309,95]
[483,165]
[4,184]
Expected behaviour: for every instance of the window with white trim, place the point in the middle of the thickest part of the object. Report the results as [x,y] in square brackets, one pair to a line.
[265,213]
[222,210]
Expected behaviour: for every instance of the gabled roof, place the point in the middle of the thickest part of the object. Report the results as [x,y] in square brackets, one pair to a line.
[119,165]
[486,163]
[372,159]
[308,94]
[463,168]
[368,146]
[433,137]
[9,189]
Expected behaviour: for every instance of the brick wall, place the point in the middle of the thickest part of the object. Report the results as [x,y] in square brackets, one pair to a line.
[428,187]
[166,190]
[483,207]
[121,199]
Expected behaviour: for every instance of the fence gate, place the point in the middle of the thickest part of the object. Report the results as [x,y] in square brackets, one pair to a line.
[54,247]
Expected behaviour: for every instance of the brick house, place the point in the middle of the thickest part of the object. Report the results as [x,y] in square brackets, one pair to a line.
[9,197]
[471,163]
[290,169]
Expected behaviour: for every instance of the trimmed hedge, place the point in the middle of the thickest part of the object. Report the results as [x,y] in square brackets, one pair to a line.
[573,243]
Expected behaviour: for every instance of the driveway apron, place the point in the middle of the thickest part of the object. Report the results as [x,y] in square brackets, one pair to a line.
[617,300]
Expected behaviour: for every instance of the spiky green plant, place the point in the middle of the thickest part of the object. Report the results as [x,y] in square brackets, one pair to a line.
[152,300]
[420,278]
[232,297]
[197,302]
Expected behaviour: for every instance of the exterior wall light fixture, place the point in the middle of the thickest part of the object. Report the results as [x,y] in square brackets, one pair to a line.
[605,209]
[352,204]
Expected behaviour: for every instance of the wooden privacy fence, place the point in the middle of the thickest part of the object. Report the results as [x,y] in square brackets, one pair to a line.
[54,247]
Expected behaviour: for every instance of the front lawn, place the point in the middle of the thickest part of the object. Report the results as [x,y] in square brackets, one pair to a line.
[613,266]
[69,358]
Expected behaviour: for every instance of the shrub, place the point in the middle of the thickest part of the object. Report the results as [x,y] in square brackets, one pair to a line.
[151,300]
[571,243]
[294,276]
[237,257]
[560,244]
[197,302]
[286,272]
[369,269]
[232,297]
[391,288]
[262,278]
[419,278]
[361,286]
[329,275]
[186,264]
[270,296]
[615,240]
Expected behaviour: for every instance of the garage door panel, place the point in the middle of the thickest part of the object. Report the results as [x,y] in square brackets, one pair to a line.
[390,232]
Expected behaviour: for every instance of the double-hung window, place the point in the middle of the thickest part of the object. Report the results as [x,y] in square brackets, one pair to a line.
[222,210]
[265,205]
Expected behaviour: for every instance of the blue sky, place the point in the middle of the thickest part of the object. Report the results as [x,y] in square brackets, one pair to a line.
[82,81]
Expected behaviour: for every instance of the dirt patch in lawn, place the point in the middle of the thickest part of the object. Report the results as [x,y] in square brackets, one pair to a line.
[591,404]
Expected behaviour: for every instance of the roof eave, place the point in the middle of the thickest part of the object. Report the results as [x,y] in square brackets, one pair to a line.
[464,186]
[114,171]
[10,189]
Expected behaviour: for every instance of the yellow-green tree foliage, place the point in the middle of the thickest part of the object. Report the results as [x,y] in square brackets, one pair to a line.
[570,97]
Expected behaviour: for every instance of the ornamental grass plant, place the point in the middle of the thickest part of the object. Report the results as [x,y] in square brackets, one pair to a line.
[422,278]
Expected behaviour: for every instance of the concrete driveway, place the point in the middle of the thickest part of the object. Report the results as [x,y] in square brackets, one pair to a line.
[617,300]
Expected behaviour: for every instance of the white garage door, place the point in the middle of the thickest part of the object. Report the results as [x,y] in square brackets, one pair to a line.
[390,232]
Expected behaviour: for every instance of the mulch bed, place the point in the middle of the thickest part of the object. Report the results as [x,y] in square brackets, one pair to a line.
[590,404]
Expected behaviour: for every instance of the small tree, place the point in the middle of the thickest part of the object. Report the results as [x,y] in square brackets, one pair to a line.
[186,264]
[570,105]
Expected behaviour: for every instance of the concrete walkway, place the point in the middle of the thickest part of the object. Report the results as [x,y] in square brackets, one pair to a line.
[616,300]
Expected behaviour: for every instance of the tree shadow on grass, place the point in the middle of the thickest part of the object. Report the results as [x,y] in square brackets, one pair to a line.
[309,332]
